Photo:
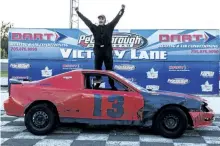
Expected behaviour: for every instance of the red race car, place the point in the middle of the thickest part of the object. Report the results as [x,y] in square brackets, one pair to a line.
[74,97]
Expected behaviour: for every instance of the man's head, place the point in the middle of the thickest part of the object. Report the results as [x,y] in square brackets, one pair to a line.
[102,19]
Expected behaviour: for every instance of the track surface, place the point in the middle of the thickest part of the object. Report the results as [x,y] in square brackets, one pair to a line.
[14,133]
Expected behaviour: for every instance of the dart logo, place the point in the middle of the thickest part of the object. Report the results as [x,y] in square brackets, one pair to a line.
[53,36]
[207,37]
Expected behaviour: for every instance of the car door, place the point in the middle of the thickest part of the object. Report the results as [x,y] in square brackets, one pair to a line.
[104,103]
[111,105]
[92,105]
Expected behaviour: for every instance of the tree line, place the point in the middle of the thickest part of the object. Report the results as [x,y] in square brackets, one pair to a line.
[5,26]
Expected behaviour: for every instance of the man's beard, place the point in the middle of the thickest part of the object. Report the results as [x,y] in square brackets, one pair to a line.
[101,23]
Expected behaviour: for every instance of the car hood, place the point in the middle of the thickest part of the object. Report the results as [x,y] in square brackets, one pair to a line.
[177,94]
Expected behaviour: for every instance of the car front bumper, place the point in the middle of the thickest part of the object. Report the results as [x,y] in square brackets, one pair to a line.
[202,119]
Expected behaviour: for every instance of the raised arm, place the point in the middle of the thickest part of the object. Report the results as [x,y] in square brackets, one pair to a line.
[115,21]
[85,20]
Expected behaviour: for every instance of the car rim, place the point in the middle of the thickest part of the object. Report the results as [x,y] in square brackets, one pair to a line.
[40,119]
[171,121]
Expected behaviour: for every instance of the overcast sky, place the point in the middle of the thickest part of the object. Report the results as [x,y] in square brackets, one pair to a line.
[141,14]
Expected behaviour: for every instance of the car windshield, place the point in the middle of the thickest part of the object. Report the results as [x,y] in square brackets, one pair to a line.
[130,82]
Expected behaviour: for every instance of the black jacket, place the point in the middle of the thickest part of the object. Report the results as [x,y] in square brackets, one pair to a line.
[102,34]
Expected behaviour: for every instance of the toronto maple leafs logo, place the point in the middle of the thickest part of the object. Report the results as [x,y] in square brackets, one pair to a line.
[46,72]
[152,74]
[207,87]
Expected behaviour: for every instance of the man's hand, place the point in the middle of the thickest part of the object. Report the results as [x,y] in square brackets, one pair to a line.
[76,9]
[123,6]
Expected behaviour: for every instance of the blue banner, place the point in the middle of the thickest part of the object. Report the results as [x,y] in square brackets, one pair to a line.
[187,77]
[129,45]
[175,60]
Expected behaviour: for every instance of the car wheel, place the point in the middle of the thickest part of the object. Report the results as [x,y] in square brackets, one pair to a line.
[171,122]
[40,119]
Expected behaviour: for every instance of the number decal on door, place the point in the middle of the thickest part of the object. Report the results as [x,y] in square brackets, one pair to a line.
[117,103]
[117,110]
[97,105]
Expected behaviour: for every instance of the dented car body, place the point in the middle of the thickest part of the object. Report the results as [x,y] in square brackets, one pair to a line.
[74,99]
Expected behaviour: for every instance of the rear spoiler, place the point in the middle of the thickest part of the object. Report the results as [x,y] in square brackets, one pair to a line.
[15,81]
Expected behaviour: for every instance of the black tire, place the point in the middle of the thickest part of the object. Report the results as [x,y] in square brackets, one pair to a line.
[40,111]
[171,122]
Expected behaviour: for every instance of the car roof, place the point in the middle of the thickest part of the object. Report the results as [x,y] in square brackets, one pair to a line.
[79,71]
[91,71]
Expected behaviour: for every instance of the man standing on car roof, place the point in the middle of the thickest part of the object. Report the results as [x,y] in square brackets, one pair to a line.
[103,41]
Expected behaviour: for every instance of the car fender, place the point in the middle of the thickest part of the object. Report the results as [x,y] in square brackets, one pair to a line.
[154,102]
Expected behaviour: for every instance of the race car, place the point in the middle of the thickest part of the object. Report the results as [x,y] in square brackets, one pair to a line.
[74,97]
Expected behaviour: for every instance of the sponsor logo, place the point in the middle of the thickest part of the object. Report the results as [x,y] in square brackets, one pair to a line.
[71,66]
[120,41]
[178,68]
[207,87]
[207,74]
[20,65]
[67,77]
[124,67]
[186,37]
[55,36]
[46,72]
[178,81]
[20,77]
[152,74]
[153,87]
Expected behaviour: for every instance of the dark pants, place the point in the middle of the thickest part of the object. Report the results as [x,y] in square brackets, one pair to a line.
[104,55]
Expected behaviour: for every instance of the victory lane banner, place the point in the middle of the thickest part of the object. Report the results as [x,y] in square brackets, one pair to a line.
[175,60]
[129,45]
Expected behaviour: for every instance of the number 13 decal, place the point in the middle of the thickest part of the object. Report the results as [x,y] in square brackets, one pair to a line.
[117,110]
